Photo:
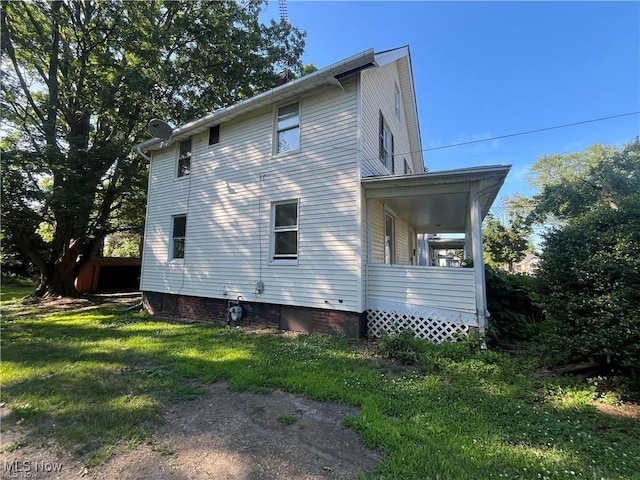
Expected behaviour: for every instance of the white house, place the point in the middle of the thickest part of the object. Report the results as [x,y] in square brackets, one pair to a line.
[304,204]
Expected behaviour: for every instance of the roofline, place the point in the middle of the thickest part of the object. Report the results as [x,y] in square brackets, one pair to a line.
[325,75]
[411,110]
[442,176]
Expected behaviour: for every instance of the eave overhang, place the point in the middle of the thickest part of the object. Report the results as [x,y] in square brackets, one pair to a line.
[438,202]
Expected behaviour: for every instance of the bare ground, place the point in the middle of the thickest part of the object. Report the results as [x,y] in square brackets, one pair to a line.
[222,435]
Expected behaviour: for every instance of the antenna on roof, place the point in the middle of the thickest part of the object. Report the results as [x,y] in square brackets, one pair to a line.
[283,10]
[159,128]
[285,75]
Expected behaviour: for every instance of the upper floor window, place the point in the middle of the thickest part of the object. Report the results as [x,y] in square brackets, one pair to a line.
[288,128]
[386,145]
[398,107]
[214,135]
[184,158]
[178,236]
[407,167]
[285,230]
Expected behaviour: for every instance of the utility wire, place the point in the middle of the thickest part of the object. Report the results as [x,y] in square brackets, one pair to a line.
[532,131]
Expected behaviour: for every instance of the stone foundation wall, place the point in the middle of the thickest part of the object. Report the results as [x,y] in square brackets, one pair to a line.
[262,315]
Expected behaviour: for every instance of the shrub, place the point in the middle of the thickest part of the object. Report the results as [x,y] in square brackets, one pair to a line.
[589,286]
[402,346]
[514,315]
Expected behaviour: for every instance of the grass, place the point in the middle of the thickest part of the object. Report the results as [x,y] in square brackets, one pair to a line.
[287,419]
[15,290]
[96,379]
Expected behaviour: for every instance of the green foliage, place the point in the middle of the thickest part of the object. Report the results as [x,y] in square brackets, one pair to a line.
[287,419]
[402,346]
[589,286]
[122,244]
[514,314]
[80,82]
[588,282]
[504,244]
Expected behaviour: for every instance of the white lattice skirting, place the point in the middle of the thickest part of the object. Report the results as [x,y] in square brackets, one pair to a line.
[423,325]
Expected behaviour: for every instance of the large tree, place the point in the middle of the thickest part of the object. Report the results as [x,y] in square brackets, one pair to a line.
[504,244]
[589,280]
[81,79]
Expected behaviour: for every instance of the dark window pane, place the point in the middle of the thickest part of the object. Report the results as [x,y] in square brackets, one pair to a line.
[184,166]
[286,244]
[185,148]
[214,135]
[179,226]
[178,248]
[286,215]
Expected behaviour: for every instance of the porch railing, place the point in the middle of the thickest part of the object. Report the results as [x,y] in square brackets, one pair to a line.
[435,302]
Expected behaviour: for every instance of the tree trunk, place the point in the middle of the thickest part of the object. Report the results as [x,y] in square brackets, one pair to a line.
[58,279]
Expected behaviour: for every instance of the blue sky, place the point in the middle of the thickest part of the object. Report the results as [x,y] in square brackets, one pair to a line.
[486,69]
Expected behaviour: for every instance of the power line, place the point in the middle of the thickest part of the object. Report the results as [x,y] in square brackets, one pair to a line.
[532,131]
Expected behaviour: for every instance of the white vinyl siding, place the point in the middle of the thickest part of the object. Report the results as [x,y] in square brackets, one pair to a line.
[411,287]
[379,97]
[228,203]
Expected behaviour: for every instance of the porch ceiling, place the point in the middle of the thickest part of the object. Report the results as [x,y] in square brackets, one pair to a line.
[437,202]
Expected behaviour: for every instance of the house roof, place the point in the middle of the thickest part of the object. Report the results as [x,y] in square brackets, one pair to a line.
[438,202]
[327,75]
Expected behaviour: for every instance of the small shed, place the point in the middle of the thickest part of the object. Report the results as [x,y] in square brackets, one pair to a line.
[109,274]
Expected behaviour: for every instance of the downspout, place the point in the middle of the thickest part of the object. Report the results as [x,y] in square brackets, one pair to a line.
[139,151]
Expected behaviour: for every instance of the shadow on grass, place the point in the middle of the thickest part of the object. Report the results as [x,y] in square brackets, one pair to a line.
[98,378]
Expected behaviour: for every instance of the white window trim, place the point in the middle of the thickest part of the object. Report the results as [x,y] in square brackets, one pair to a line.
[272,231]
[172,239]
[397,102]
[277,108]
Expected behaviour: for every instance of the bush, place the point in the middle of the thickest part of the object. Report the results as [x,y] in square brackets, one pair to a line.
[402,346]
[514,315]
[589,286]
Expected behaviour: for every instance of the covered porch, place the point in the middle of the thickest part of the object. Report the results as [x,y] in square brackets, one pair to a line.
[422,231]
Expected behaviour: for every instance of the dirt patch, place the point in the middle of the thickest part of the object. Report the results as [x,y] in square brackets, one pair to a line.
[627,410]
[221,435]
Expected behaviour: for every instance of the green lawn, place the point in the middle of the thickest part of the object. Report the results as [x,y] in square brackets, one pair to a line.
[96,379]
[14,291]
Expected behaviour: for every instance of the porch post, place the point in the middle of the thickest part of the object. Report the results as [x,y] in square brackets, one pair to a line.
[468,244]
[478,261]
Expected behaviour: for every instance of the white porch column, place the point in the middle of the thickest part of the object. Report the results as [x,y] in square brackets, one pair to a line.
[468,245]
[478,261]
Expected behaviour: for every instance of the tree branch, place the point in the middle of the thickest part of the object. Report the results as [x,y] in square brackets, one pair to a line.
[7,46]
